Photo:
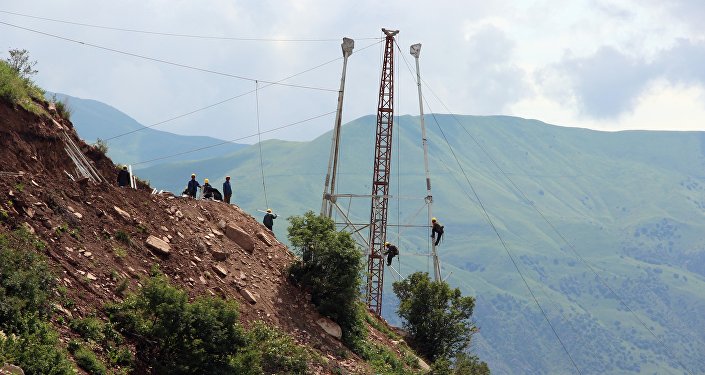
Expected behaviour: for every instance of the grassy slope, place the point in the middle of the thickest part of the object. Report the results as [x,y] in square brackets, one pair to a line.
[630,203]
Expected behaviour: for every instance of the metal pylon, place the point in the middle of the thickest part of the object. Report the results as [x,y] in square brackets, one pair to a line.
[380,180]
[329,188]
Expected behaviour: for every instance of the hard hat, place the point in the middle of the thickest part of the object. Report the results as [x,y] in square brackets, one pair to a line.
[269,210]
[386,244]
[227,177]
[193,175]
[206,180]
[124,167]
[433,219]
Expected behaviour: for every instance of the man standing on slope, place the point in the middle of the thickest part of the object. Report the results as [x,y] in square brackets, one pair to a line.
[193,186]
[268,220]
[123,177]
[437,229]
[227,190]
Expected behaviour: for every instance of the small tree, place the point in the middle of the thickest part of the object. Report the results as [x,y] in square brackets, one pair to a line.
[436,316]
[19,62]
[330,270]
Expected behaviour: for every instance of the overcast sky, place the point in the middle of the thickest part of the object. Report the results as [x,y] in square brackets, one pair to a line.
[607,65]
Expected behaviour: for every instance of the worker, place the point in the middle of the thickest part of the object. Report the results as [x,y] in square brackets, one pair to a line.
[207,190]
[227,190]
[436,229]
[193,186]
[268,220]
[123,177]
[391,251]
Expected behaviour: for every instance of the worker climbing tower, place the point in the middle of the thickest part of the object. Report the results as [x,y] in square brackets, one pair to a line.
[380,179]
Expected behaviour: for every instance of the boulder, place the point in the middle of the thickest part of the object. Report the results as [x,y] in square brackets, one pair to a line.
[122,213]
[219,255]
[249,297]
[332,328]
[11,370]
[265,238]
[158,245]
[220,270]
[240,237]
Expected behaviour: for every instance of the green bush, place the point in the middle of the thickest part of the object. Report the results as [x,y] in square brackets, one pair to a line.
[330,268]
[18,90]
[25,281]
[26,284]
[436,316]
[176,336]
[37,350]
[90,328]
[272,352]
[87,360]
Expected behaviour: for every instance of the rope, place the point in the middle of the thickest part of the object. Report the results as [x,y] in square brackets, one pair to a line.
[259,138]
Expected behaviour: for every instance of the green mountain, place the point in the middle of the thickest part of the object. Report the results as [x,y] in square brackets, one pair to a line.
[130,142]
[606,229]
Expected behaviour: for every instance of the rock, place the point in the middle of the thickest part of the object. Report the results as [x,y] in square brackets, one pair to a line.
[217,232]
[29,212]
[34,183]
[332,328]
[78,215]
[203,281]
[11,370]
[70,209]
[201,219]
[424,366]
[29,228]
[240,237]
[221,224]
[178,214]
[220,270]
[219,255]
[122,213]
[164,228]
[87,254]
[91,277]
[197,258]
[265,238]
[62,310]
[158,245]
[249,297]
[180,235]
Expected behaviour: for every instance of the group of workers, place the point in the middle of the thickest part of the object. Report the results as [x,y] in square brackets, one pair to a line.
[436,233]
[211,193]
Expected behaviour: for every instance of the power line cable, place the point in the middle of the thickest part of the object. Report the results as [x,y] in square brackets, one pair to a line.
[234,140]
[231,98]
[178,34]
[169,62]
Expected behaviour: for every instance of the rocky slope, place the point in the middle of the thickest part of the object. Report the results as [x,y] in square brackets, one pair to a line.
[99,235]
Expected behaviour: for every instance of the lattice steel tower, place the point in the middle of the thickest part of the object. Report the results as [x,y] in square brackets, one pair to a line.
[380,179]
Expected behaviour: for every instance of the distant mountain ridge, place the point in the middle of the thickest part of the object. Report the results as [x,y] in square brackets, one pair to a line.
[631,205]
[96,120]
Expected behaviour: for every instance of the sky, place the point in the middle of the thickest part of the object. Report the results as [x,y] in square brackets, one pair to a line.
[605,65]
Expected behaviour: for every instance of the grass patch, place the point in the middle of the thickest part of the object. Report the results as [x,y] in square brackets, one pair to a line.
[123,237]
[86,359]
[19,91]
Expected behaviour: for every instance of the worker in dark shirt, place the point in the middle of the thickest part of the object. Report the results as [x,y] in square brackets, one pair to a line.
[391,251]
[436,229]
[123,177]
[268,220]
